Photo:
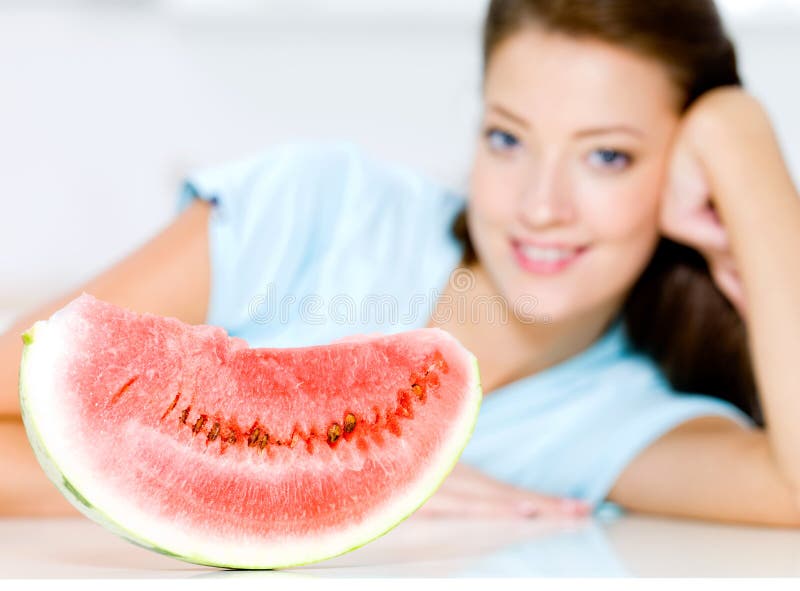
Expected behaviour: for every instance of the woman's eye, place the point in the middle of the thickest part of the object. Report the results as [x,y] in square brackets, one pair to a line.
[500,140]
[607,158]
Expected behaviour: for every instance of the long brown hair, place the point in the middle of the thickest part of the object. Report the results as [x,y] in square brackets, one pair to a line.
[674,312]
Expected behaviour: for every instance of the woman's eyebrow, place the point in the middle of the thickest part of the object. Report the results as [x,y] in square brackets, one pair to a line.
[586,132]
[590,131]
[509,115]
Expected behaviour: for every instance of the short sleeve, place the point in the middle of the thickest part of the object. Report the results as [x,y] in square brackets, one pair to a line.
[638,420]
[273,212]
[304,226]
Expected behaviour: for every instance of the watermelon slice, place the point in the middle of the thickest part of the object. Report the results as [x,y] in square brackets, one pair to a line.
[188,442]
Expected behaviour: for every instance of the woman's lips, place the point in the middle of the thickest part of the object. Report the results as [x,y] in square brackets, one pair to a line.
[545,259]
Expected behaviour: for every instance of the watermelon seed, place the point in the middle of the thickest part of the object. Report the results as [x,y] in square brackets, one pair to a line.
[171,406]
[124,389]
[404,405]
[392,425]
[262,442]
[439,362]
[334,432]
[417,389]
[185,414]
[312,435]
[212,435]
[349,422]
[199,424]
[253,439]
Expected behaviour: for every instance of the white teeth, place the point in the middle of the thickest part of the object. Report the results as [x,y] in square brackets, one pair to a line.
[547,255]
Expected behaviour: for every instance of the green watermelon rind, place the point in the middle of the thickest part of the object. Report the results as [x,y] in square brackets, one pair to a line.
[85,506]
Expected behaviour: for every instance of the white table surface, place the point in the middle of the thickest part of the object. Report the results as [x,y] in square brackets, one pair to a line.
[627,545]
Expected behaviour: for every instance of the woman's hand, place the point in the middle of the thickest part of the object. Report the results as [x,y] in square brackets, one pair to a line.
[467,492]
[688,211]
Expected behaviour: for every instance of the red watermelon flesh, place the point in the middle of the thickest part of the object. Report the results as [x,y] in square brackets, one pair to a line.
[186,441]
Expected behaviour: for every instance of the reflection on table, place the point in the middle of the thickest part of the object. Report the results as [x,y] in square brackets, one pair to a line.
[609,544]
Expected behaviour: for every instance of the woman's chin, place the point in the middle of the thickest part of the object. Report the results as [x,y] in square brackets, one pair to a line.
[539,305]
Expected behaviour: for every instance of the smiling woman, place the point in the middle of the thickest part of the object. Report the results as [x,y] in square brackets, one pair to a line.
[643,65]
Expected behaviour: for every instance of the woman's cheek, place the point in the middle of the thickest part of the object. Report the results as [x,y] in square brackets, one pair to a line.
[625,222]
[619,204]
[491,204]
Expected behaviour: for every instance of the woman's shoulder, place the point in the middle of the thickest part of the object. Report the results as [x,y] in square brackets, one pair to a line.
[633,382]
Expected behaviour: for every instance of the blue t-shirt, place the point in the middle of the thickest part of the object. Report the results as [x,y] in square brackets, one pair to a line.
[314,241]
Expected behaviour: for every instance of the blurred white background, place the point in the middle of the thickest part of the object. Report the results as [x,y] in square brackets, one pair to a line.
[105,105]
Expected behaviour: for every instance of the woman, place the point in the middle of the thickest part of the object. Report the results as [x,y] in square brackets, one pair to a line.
[627,198]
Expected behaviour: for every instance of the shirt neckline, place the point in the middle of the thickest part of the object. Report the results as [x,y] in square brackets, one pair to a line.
[612,344]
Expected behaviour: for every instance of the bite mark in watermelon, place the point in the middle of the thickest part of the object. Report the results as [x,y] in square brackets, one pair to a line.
[189,442]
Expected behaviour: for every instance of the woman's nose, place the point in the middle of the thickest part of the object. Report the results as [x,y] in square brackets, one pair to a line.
[546,197]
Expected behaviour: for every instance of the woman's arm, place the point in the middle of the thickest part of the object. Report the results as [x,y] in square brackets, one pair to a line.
[169,275]
[760,207]
[710,467]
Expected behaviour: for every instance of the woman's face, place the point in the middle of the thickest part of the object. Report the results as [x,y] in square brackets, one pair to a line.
[568,171]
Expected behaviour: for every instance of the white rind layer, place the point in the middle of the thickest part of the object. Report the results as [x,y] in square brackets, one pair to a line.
[50,436]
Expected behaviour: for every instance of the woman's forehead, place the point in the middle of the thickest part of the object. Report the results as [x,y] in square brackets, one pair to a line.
[550,75]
